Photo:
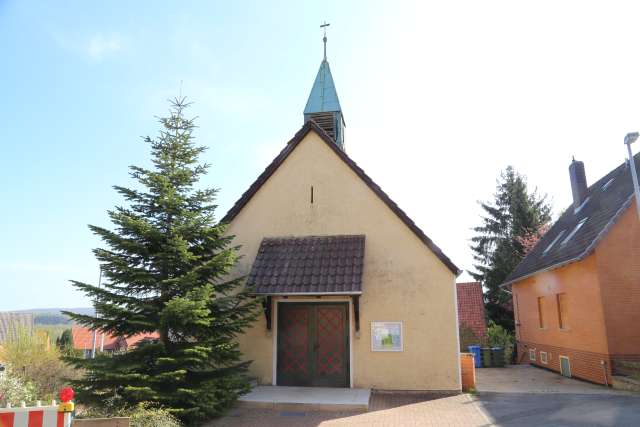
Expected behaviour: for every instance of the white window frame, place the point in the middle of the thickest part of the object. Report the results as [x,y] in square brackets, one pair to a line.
[569,363]
[543,358]
[532,354]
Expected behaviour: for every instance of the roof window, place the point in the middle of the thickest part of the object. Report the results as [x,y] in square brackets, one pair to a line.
[579,208]
[548,248]
[574,231]
[607,184]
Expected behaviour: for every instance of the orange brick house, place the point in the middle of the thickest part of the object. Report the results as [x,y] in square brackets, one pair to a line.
[576,295]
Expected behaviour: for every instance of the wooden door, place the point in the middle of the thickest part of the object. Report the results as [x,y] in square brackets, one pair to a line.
[313,344]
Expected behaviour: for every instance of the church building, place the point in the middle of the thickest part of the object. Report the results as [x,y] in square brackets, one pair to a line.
[355,293]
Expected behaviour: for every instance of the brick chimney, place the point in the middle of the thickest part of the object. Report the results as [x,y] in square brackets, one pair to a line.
[578,182]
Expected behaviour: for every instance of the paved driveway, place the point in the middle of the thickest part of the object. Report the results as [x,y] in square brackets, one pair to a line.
[525,396]
[529,379]
[518,396]
[396,410]
[560,409]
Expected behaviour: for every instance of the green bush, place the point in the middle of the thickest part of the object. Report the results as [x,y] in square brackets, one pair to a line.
[14,390]
[34,361]
[467,338]
[497,336]
[144,414]
[633,368]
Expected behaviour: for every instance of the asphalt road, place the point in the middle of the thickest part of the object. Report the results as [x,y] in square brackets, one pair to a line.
[560,409]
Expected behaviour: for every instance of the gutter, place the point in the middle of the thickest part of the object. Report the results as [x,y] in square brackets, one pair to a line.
[293,294]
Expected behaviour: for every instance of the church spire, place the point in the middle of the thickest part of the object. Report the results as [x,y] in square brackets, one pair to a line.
[323,106]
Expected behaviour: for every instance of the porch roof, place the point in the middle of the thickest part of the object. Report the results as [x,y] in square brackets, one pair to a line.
[308,265]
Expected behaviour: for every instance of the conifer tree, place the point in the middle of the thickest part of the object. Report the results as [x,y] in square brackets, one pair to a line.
[166,264]
[498,244]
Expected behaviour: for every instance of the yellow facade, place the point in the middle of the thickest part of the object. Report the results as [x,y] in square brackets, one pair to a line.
[403,280]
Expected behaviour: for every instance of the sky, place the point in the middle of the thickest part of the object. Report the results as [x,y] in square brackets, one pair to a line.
[438,98]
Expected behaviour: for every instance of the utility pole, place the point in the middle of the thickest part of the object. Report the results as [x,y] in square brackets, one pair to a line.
[95,332]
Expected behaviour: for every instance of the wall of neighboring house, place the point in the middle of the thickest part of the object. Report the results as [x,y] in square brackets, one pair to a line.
[618,262]
[402,279]
[583,336]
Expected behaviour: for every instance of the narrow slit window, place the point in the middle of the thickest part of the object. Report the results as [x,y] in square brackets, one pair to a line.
[562,311]
[541,312]
[312,194]
[574,231]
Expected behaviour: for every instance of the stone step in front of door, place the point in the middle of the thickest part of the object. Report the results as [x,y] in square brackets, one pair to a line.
[307,398]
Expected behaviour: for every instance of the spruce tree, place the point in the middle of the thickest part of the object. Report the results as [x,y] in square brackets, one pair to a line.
[166,265]
[498,246]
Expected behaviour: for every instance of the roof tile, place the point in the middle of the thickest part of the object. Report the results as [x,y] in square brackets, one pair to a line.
[309,264]
[601,210]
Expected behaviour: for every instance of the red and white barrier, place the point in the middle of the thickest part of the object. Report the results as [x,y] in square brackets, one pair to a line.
[35,416]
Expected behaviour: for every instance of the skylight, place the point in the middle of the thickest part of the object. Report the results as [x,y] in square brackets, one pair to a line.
[607,184]
[579,208]
[574,231]
[548,248]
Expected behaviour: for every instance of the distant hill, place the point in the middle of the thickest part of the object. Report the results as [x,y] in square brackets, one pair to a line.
[80,310]
[54,316]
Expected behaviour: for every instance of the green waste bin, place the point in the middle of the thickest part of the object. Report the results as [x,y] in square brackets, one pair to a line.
[497,357]
[486,358]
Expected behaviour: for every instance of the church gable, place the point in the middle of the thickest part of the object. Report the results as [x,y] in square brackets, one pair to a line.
[304,197]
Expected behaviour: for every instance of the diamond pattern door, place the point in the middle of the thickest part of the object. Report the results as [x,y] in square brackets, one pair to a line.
[294,345]
[332,343]
[313,344]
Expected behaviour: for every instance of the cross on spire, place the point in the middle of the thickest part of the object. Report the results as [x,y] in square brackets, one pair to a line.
[324,39]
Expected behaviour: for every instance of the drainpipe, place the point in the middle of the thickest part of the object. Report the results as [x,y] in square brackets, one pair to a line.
[628,140]
[604,371]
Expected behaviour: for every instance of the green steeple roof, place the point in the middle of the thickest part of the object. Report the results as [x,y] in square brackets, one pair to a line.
[323,106]
[323,96]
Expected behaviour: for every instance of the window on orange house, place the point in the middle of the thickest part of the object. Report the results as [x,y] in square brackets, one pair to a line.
[562,311]
[541,312]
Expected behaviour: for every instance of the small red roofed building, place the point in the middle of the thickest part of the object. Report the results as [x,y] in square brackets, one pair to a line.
[83,340]
[471,312]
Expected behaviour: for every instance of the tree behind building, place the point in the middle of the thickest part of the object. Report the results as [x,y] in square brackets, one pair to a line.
[512,217]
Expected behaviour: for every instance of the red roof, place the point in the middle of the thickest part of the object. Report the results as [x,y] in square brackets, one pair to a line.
[83,339]
[135,339]
[471,307]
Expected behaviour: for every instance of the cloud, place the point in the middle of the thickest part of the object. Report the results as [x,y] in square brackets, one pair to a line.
[95,47]
[100,46]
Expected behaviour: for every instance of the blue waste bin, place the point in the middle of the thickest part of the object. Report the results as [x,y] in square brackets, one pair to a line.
[477,357]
